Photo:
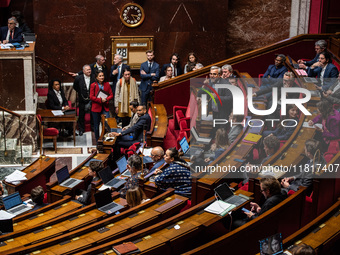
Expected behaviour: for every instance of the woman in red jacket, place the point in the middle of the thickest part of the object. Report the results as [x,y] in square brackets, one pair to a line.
[100,95]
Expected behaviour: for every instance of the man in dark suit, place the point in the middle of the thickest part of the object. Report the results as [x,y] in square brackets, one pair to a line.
[117,70]
[82,84]
[320,46]
[271,190]
[305,178]
[133,134]
[11,33]
[175,64]
[99,65]
[149,72]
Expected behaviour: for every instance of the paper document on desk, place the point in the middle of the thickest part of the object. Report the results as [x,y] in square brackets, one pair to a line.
[104,187]
[6,46]
[16,177]
[219,207]
[58,113]
[6,215]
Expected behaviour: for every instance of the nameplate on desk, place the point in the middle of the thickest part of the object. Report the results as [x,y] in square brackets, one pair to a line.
[33,170]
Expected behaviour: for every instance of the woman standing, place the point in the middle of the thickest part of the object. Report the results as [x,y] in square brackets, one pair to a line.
[100,95]
[126,92]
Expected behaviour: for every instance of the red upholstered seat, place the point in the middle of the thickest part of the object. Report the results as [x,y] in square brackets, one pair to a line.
[50,132]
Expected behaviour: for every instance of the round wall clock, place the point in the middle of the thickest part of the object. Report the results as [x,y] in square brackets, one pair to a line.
[132,15]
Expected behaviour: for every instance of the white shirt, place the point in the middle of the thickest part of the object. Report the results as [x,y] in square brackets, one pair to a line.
[87,81]
[58,93]
[322,73]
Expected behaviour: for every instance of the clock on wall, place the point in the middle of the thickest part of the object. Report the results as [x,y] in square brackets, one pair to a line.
[132,15]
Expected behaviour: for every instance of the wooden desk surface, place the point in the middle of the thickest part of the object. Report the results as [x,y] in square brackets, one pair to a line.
[37,173]
[13,51]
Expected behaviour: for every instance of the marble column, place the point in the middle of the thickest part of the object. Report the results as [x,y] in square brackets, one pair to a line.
[299,17]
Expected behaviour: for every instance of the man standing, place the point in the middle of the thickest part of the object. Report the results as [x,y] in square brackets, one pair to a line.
[116,71]
[82,85]
[96,67]
[149,72]
[174,63]
[11,33]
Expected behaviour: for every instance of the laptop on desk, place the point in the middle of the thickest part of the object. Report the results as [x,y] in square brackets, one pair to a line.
[224,193]
[109,180]
[121,164]
[189,151]
[117,130]
[104,202]
[64,179]
[205,140]
[13,204]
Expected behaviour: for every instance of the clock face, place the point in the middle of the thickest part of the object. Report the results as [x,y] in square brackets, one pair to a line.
[132,15]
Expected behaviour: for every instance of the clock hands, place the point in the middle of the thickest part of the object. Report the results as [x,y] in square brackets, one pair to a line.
[134,15]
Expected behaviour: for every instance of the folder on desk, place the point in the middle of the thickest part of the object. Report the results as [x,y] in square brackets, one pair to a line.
[252,138]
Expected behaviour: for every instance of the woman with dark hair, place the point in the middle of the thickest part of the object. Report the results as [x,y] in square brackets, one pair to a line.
[56,99]
[330,120]
[177,175]
[168,74]
[324,70]
[100,95]
[37,196]
[192,62]
[291,120]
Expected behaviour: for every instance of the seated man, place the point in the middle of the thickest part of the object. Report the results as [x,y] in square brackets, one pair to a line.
[332,95]
[320,46]
[271,190]
[37,196]
[157,155]
[134,118]
[11,33]
[275,71]
[133,134]
[84,196]
[305,178]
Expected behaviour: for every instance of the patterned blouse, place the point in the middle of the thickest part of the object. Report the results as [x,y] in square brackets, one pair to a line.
[130,183]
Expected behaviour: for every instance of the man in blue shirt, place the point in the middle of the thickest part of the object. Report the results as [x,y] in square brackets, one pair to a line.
[275,71]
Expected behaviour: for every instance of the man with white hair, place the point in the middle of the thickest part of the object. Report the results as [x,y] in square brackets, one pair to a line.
[11,33]
[116,71]
[99,65]
[227,72]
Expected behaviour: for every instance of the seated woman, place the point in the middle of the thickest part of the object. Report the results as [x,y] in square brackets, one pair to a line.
[135,196]
[56,97]
[324,70]
[284,132]
[134,164]
[330,120]
[177,175]
[37,196]
[220,145]
[192,62]
[84,196]
[168,74]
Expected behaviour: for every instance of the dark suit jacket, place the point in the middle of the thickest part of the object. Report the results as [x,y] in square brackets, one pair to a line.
[311,62]
[79,85]
[17,35]
[330,72]
[86,198]
[137,129]
[147,79]
[271,202]
[53,101]
[165,66]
